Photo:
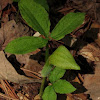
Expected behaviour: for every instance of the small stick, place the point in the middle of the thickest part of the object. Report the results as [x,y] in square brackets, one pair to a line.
[7,97]
[81,78]
[32,73]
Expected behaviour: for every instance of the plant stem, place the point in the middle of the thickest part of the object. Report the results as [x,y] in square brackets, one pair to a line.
[44,78]
[42,87]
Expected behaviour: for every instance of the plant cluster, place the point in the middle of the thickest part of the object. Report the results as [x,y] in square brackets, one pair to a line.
[35,13]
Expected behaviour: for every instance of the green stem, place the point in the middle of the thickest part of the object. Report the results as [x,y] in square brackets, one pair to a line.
[42,86]
[44,78]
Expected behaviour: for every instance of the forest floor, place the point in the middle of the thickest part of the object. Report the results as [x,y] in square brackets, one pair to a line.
[20,75]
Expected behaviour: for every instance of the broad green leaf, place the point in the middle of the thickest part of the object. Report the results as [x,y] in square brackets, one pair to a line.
[25,44]
[67,24]
[62,58]
[63,86]
[35,15]
[56,74]
[46,69]
[49,93]
[43,3]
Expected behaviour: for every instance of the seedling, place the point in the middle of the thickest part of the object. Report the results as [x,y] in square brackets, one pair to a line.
[34,12]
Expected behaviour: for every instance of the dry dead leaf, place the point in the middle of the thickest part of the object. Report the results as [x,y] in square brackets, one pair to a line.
[33,65]
[80,96]
[3,4]
[37,97]
[5,19]
[33,69]
[7,72]
[91,52]
[24,59]
[98,40]
[90,7]
[8,14]
[92,83]
[95,25]
[10,31]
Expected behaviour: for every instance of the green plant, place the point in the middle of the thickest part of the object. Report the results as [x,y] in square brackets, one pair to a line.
[34,12]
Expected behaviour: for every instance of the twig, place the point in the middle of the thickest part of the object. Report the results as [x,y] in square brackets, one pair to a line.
[11,90]
[34,73]
[7,97]
[79,75]
[4,87]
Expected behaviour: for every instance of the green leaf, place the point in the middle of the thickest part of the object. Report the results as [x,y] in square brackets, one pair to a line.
[62,58]
[25,44]
[43,3]
[67,24]
[63,87]
[35,15]
[49,93]
[46,69]
[56,74]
